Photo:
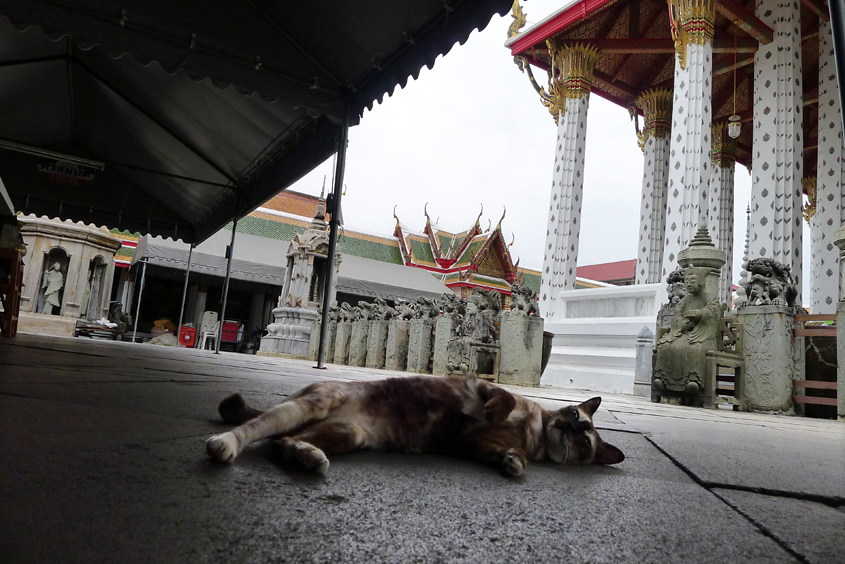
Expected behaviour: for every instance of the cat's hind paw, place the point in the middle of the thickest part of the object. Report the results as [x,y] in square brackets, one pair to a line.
[223,448]
[513,464]
[305,454]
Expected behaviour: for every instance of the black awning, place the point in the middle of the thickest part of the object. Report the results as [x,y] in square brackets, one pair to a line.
[200,111]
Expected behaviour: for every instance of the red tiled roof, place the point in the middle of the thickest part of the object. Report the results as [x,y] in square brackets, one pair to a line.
[609,271]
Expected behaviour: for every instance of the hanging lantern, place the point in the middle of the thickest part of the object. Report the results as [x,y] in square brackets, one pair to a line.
[733,126]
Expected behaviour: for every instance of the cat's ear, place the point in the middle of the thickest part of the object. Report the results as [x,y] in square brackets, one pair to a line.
[606,453]
[591,405]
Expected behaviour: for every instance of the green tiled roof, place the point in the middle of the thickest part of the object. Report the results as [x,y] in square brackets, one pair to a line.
[352,245]
[284,231]
[444,240]
[530,280]
[125,253]
[470,251]
[421,251]
[118,232]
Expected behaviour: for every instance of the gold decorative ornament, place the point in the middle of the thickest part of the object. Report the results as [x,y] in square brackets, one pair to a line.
[570,75]
[722,146]
[656,105]
[691,22]
[518,19]
[809,209]
[575,64]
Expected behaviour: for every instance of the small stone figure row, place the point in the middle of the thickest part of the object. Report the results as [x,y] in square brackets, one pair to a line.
[523,300]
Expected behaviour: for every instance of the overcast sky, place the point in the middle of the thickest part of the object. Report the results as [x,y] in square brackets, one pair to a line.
[472,130]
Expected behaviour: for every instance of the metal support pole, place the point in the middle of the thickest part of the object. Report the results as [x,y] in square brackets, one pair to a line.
[185,288]
[337,189]
[138,307]
[231,253]
[837,28]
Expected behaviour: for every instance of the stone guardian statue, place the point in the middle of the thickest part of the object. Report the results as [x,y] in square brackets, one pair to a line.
[680,363]
[679,357]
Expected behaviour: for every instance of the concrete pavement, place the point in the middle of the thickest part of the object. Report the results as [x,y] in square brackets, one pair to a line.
[102,460]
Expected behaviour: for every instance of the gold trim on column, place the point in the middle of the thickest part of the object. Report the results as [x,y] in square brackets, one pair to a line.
[570,75]
[809,210]
[656,105]
[691,22]
[723,146]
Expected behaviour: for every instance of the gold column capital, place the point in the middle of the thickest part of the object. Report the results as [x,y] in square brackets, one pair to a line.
[691,22]
[722,146]
[575,65]
[656,105]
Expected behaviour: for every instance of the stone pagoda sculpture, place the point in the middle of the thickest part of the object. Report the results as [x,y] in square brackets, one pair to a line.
[302,293]
[679,360]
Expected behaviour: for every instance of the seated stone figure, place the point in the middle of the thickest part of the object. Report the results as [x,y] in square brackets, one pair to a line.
[680,362]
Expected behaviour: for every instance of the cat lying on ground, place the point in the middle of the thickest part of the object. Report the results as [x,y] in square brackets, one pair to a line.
[460,416]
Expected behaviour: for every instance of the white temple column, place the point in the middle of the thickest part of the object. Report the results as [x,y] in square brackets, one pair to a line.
[830,178]
[689,155]
[721,203]
[654,141]
[573,75]
[777,161]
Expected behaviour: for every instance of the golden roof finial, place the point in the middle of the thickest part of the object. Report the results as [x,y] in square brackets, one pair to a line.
[519,19]
[477,219]
[499,226]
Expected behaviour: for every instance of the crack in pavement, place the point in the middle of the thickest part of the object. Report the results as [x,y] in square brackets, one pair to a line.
[764,530]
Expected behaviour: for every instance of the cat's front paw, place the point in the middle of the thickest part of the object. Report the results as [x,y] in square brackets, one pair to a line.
[305,454]
[499,408]
[513,464]
[223,448]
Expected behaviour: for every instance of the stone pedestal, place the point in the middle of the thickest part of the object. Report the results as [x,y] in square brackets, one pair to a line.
[419,345]
[358,343]
[642,369]
[314,342]
[396,350]
[291,332]
[768,351]
[314,345]
[521,349]
[376,343]
[442,336]
[331,337]
[341,342]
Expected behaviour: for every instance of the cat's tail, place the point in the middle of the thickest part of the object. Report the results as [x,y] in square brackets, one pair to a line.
[235,411]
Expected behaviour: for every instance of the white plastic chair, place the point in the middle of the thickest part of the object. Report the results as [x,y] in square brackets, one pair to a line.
[209,326]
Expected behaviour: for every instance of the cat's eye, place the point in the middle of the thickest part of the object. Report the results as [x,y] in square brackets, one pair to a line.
[575,414]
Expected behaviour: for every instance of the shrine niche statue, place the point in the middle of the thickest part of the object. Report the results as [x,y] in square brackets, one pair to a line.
[696,327]
[52,285]
[770,283]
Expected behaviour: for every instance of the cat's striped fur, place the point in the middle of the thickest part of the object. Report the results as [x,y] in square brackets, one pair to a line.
[462,416]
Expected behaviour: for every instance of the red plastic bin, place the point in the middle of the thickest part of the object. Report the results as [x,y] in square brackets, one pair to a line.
[188,336]
[231,332]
